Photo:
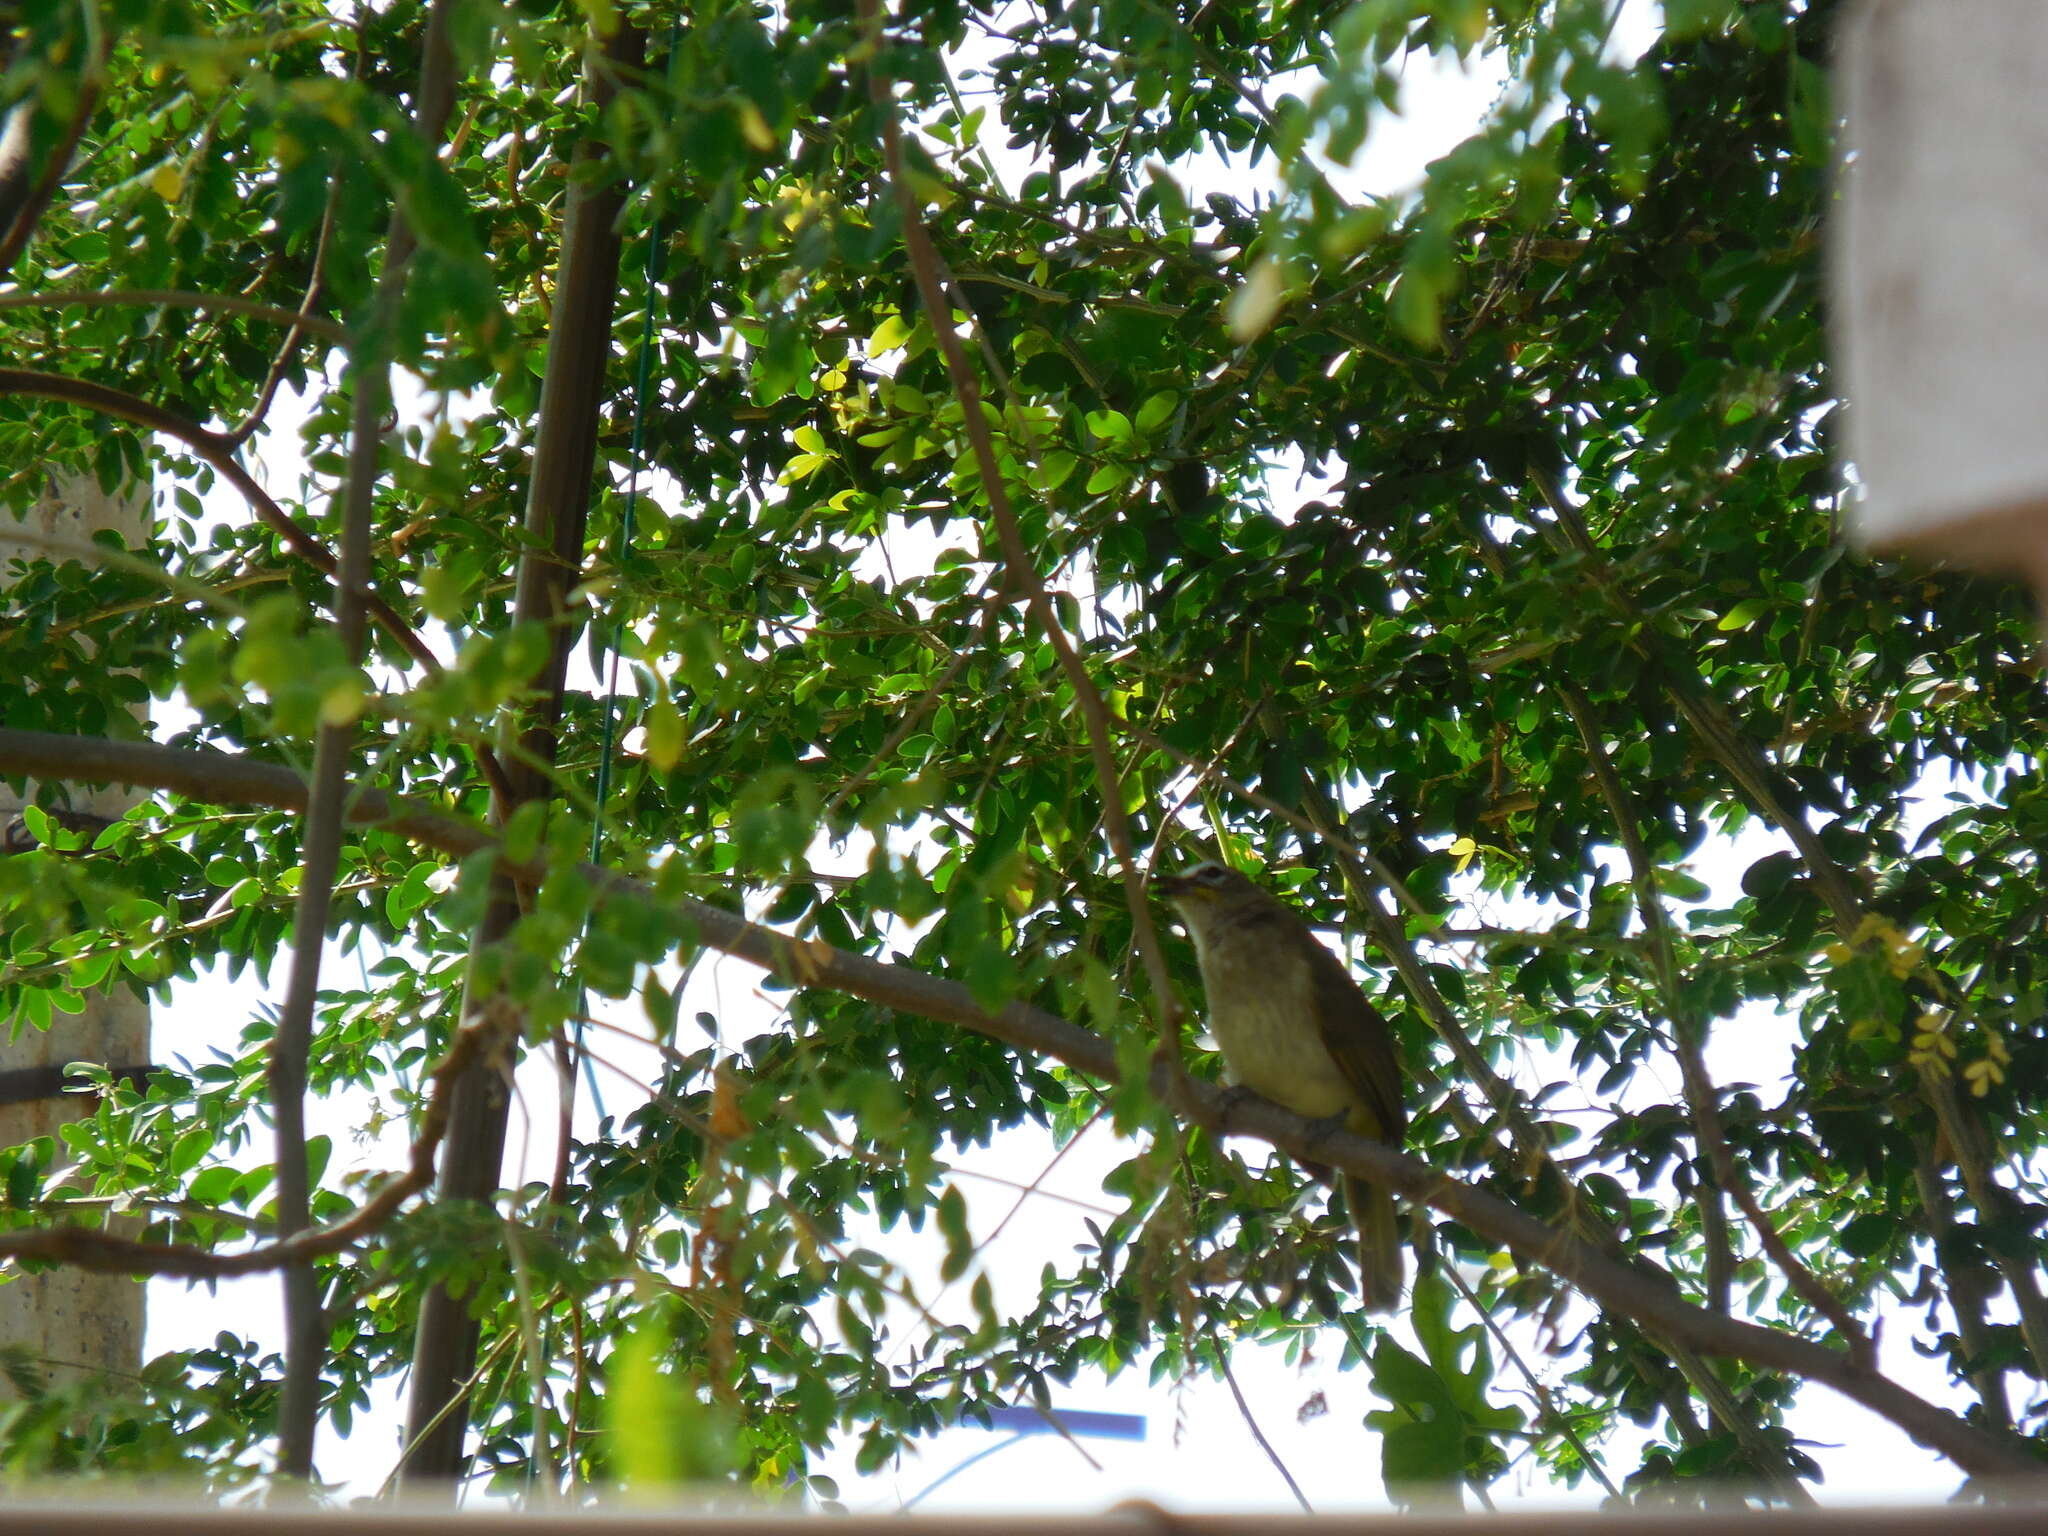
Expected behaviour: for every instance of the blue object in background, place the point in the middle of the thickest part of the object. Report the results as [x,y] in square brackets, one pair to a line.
[1079,1423]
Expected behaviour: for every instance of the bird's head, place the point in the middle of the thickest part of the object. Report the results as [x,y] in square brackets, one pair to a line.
[1208,890]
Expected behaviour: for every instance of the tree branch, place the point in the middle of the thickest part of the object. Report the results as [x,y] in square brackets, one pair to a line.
[1645,1295]
[291,1045]
[1689,1038]
[1753,771]
[1360,869]
[21,201]
[1547,1411]
[303,322]
[1969,1288]
[556,528]
[178,298]
[218,451]
[1329,837]
[1740,758]
[93,1248]
[1532,1148]
[1017,559]
[1702,1099]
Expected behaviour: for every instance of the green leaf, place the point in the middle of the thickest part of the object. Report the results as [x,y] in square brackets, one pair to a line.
[1409,1381]
[212,1186]
[1052,472]
[189,1149]
[1155,412]
[1106,477]
[952,1213]
[1113,427]
[890,336]
[1868,1235]
[648,1411]
[318,1150]
[1744,614]
[1419,1456]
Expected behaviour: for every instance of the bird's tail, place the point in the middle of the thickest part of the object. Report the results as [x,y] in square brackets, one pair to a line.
[1379,1243]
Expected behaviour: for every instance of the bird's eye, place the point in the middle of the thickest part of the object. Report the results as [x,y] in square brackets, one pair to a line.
[1210,874]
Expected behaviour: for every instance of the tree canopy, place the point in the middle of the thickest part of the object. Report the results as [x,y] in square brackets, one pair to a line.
[580,647]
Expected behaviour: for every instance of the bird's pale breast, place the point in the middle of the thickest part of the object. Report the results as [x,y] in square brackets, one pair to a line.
[1261,999]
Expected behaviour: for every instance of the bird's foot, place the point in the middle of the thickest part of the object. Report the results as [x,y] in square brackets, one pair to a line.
[1233,1096]
[1321,1130]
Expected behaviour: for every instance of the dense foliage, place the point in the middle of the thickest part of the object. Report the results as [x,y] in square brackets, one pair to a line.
[1569,611]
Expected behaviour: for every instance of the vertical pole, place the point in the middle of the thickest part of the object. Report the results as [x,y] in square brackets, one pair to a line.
[72,1323]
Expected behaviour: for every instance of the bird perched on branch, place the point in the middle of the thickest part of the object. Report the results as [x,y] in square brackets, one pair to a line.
[1295,1027]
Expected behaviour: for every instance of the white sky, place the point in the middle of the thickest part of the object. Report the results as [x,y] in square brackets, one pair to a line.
[1197,1454]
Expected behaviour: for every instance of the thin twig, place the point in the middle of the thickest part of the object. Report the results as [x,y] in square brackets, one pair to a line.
[219,453]
[30,213]
[455,1400]
[1166,821]
[177,298]
[1687,1028]
[1546,1407]
[1211,770]
[1203,775]
[1528,1144]
[303,322]
[983,1244]
[1259,1435]
[1969,1286]
[102,1252]
[326,819]
[911,717]
[1023,573]
[215,450]
[1753,773]
[1689,1034]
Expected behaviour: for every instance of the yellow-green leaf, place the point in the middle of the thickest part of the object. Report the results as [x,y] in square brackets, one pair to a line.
[889,336]
[1256,303]
[664,726]
[1106,477]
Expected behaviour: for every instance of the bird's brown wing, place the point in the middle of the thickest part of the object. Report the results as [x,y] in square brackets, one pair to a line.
[1358,1040]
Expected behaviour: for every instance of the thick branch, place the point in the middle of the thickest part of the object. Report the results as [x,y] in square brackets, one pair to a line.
[571,409]
[1649,1297]
[557,520]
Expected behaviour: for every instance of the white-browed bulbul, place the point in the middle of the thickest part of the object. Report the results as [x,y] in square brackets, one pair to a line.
[1295,1027]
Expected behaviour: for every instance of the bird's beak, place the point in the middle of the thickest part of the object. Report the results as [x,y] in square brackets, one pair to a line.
[1170,886]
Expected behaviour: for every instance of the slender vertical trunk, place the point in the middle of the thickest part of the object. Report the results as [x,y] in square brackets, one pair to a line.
[558,505]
